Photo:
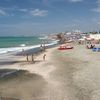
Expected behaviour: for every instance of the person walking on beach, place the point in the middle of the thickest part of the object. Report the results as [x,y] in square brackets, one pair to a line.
[27,57]
[33,58]
[44,56]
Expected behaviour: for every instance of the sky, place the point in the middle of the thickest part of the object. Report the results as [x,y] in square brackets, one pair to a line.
[33,17]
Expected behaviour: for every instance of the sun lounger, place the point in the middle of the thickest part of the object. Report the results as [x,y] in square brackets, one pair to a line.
[98,49]
[94,49]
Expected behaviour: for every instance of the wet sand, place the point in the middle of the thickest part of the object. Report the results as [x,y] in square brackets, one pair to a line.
[65,75]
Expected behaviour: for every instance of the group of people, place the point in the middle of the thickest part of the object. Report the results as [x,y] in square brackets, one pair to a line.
[27,57]
[42,48]
[33,57]
[91,46]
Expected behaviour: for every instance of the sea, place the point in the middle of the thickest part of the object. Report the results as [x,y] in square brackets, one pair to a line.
[17,44]
[10,44]
[6,42]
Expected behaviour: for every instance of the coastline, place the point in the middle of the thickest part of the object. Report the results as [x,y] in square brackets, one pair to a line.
[70,75]
[41,69]
[16,54]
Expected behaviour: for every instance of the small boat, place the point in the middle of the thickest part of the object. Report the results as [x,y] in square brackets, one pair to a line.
[65,47]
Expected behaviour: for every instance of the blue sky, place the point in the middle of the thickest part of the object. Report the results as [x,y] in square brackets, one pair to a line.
[31,17]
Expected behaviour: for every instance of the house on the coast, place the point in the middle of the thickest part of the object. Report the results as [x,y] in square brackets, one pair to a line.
[95,36]
[91,38]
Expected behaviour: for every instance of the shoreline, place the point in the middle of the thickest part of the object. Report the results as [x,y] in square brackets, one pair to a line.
[27,49]
[15,57]
[70,75]
[41,69]
[38,61]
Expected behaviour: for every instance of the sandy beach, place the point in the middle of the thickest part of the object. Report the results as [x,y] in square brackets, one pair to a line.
[65,75]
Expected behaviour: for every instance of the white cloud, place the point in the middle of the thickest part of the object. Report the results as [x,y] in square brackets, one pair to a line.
[38,12]
[23,10]
[98,23]
[98,1]
[96,9]
[75,0]
[2,12]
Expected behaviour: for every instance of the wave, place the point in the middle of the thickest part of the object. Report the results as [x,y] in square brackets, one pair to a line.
[23,45]
[43,38]
[15,50]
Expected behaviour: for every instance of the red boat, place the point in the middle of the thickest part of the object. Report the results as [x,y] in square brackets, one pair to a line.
[65,47]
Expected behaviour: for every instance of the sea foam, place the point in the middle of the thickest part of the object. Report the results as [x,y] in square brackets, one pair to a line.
[15,50]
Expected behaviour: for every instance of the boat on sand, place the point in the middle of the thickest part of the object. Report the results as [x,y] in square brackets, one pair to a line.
[65,47]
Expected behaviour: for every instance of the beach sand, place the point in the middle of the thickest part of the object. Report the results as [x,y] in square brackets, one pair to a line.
[65,75]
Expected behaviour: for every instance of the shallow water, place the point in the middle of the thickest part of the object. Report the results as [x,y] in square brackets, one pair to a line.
[6,42]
